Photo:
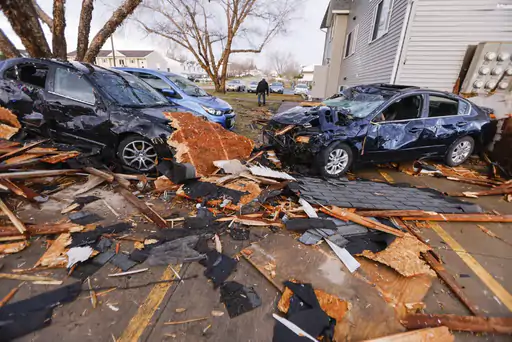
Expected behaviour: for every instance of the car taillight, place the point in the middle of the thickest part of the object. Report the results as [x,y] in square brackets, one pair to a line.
[492,116]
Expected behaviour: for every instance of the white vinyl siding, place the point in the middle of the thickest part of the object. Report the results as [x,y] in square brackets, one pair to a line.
[439,34]
[372,62]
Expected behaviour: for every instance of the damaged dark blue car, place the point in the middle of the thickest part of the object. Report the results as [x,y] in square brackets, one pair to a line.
[380,123]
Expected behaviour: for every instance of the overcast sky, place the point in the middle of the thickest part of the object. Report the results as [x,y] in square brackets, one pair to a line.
[304,40]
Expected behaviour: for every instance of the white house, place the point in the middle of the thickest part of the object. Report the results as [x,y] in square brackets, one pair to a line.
[149,59]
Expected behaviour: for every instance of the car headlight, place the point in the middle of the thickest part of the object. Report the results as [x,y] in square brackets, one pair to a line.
[212,111]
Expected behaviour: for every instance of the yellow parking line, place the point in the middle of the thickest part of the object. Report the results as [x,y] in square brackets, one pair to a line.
[487,279]
[140,321]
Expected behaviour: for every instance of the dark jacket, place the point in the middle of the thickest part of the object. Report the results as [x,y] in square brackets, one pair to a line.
[262,87]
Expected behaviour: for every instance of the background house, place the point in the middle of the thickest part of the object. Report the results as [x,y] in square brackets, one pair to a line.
[426,43]
[149,59]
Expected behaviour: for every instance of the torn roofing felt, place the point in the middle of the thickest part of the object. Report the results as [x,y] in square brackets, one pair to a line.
[238,299]
[200,142]
[207,190]
[375,195]
[23,317]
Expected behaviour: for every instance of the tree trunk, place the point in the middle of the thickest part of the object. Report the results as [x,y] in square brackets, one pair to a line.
[117,18]
[59,25]
[24,21]
[7,47]
[84,29]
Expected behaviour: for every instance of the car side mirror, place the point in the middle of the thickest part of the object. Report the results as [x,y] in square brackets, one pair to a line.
[169,92]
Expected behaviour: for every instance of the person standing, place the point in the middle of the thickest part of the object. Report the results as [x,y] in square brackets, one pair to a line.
[262,90]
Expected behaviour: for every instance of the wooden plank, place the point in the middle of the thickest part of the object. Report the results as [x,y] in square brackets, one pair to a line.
[393,213]
[21,150]
[499,291]
[439,334]
[11,248]
[25,277]
[450,281]
[500,325]
[37,174]
[144,209]
[460,218]
[11,294]
[346,215]
[42,229]
[14,219]
[102,174]
[151,304]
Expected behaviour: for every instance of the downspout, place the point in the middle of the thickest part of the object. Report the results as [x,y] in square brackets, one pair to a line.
[403,34]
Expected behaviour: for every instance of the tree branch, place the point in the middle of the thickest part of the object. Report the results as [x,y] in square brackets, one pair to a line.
[45,18]
[7,47]
[117,18]
[24,21]
[84,29]
[59,26]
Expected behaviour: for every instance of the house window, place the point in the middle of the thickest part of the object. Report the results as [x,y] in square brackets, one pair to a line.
[381,19]
[132,61]
[104,60]
[121,62]
[350,42]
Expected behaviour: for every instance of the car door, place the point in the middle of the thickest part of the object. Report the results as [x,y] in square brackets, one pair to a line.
[394,133]
[447,121]
[75,111]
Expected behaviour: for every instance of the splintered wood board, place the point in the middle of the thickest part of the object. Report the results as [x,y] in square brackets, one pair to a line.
[395,288]
[439,334]
[403,255]
[369,316]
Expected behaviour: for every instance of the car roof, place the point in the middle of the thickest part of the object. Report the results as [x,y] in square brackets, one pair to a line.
[397,89]
[149,71]
[86,68]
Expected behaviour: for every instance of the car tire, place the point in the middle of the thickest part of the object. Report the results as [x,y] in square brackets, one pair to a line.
[137,153]
[335,160]
[460,151]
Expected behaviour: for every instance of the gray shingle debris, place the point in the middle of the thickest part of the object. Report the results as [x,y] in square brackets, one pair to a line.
[375,195]
[343,230]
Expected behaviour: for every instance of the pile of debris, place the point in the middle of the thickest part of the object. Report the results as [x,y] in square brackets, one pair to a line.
[362,223]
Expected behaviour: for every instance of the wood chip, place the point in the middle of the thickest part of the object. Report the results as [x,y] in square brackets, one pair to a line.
[217,313]
[187,321]
[180,310]
[11,248]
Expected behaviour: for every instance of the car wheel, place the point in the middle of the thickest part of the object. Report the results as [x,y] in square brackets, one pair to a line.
[335,160]
[137,153]
[460,151]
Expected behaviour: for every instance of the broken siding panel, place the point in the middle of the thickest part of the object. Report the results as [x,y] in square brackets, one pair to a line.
[372,62]
[439,34]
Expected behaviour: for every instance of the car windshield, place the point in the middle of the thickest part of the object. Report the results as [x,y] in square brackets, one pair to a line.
[301,86]
[127,90]
[277,84]
[187,86]
[357,103]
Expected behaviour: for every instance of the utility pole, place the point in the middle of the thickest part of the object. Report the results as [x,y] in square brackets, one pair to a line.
[113,52]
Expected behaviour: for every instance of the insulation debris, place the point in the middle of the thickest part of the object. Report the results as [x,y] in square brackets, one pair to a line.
[78,254]
[200,142]
[403,255]
[9,124]
[263,171]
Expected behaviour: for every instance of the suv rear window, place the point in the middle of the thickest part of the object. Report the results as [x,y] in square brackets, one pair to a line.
[28,73]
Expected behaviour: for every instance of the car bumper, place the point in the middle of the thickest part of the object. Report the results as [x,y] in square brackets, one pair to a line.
[227,121]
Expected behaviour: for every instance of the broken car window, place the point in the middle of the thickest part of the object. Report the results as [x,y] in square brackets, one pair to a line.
[30,74]
[356,104]
[154,81]
[186,86]
[70,84]
[406,108]
[442,106]
[127,90]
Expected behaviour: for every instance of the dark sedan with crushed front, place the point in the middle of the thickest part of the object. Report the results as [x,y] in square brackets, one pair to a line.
[380,123]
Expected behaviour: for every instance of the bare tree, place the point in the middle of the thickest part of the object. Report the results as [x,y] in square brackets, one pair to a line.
[25,17]
[284,64]
[213,30]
